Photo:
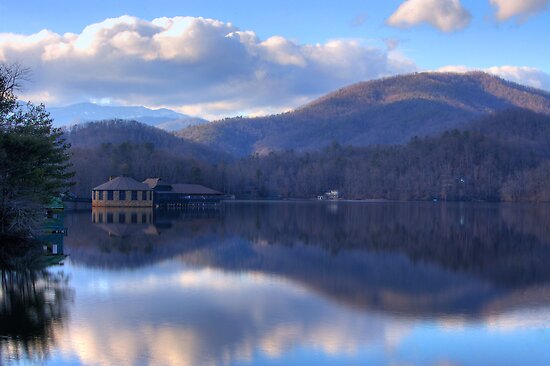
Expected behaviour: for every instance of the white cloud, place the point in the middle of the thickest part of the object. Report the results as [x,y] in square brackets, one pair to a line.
[506,9]
[189,63]
[529,76]
[524,75]
[445,15]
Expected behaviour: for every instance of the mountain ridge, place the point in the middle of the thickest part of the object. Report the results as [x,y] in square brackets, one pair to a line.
[118,131]
[385,111]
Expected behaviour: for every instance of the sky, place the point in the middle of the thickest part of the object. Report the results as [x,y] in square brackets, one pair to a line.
[224,58]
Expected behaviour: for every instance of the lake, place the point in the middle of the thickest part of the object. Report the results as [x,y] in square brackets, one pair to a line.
[289,283]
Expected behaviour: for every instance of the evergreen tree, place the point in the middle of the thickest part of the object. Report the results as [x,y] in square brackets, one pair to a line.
[34,159]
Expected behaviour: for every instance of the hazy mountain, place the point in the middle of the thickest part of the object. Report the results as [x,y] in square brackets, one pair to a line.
[163,118]
[385,111]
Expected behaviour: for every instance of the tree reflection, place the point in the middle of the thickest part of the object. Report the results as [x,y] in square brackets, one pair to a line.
[411,258]
[33,305]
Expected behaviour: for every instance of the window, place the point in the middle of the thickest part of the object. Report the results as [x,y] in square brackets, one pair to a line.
[110,217]
[94,195]
[100,218]
[110,195]
[134,195]
[134,217]
[150,195]
[100,195]
[122,218]
[144,195]
[122,195]
[143,218]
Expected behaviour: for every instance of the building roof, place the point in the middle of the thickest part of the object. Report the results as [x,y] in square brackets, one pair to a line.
[152,182]
[193,189]
[122,184]
[181,188]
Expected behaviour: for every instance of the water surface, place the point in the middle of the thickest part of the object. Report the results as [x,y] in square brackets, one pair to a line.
[299,283]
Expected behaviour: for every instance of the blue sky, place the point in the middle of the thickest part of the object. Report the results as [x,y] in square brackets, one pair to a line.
[479,38]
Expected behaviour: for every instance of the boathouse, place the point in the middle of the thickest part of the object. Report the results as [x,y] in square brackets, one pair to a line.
[122,192]
[177,194]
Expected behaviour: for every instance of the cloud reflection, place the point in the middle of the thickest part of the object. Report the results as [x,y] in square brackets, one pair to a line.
[210,317]
[256,284]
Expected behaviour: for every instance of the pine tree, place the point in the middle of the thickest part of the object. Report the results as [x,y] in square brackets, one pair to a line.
[34,159]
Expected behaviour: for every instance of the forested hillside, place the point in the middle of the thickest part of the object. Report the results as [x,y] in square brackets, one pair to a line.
[102,149]
[505,156]
[502,157]
[95,134]
[387,111]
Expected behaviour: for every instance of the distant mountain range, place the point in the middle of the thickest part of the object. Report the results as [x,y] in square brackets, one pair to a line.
[163,118]
[385,111]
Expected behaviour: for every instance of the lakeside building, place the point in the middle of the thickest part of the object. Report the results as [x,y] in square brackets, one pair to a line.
[332,195]
[128,192]
[177,194]
[122,192]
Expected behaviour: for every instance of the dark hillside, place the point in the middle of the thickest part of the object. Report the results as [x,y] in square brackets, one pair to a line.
[386,111]
[95,134]
[505,156]
[105,148]
[519,127]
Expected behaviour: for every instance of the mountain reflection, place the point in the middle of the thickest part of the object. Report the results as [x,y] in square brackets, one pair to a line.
[33,306]
[407,258]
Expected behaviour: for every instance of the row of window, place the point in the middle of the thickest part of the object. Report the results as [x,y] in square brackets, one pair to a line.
[145,195]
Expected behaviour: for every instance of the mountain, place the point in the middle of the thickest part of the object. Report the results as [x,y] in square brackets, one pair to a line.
[115,147]
[505,156]
[96,134]
[180,123]
[385,111]
[163,118]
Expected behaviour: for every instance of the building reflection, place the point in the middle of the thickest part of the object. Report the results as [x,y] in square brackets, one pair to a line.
[124,216]
[122,222]
[125,221]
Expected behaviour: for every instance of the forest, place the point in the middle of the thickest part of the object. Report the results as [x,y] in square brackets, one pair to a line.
[502,157]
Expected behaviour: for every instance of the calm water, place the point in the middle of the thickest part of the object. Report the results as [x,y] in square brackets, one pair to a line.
[290,284]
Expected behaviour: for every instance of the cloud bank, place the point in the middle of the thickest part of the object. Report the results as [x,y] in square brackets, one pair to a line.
[195,65]
[522,9]
[529,76]
[445,15]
